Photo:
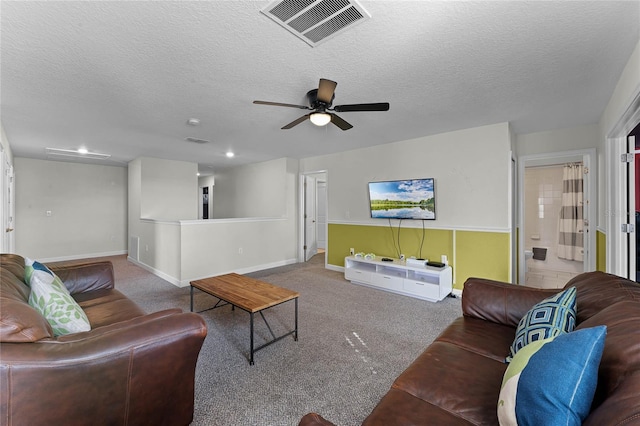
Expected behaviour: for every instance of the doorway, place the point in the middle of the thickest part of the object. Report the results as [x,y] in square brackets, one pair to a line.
[621,193]
[557,237]
[313,215]
[205,203]
[633,203]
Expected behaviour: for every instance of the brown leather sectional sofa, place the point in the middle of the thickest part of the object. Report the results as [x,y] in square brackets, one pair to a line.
[131,368]
[457,379]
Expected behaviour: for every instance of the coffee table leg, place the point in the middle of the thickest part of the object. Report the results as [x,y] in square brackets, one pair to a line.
[191,298]
[251,338]
[296,333]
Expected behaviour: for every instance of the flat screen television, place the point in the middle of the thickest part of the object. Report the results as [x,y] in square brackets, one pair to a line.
[403,199]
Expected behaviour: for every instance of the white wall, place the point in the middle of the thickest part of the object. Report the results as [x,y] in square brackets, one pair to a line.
[5,144]
[255,190]
[570,139]
[169,189]
[471,168]
[183,250]
[626,90]
[88,205]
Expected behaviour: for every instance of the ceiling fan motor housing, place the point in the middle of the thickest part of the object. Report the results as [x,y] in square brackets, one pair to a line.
[312,95]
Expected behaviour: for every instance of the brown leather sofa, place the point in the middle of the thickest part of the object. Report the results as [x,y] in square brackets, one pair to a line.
[457,379]
[131,368]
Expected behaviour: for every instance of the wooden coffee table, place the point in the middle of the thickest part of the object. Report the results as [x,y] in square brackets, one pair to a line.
[250,295]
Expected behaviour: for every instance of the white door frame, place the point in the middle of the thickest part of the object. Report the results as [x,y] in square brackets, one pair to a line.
[310,214]
[588,157]
[617,189]
[7,209]
[301,206]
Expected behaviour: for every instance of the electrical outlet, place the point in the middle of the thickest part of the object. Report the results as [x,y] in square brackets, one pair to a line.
[352,251]
[240,251]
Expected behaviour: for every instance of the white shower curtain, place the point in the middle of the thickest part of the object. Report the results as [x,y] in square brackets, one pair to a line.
[571,220]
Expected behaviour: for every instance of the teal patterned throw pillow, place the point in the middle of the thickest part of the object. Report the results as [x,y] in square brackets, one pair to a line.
[50,297]
[549,318]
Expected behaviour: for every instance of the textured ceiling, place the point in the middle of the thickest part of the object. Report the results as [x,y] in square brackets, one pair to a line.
[123,77]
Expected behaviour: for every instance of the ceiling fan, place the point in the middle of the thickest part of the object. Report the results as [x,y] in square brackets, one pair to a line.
[320,101]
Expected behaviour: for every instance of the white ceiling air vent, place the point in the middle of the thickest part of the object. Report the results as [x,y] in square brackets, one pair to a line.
[196,140]
[316,21]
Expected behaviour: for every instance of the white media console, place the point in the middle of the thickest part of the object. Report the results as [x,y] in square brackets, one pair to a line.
[422,282]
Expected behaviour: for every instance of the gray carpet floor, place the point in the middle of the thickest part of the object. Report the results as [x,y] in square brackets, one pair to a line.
[353,342]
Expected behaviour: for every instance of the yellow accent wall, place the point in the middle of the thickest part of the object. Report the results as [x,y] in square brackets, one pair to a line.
[477,253]
[482,254]
[601,251]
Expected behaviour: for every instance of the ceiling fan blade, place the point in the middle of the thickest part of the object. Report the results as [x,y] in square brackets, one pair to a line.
[326,88]
[296,122]
[340,122]
[281,104]
[381,106]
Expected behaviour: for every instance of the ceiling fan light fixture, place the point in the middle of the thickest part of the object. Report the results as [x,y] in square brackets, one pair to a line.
[320,118]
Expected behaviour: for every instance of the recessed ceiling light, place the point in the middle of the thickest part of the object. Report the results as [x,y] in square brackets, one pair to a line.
[230,154]
[193,122]
[83,151]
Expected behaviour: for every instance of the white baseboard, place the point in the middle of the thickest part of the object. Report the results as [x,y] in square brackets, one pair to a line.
[82,256]
[335,268]
[186,283]
[457,292]
[156,272]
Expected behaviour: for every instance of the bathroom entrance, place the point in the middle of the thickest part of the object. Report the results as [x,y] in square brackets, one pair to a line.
[556,239]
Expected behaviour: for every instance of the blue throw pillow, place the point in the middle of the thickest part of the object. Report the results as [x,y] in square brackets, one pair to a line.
[552,316]
[552,381]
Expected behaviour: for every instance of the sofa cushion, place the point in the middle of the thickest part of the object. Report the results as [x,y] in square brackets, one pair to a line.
[19,322]
[499,302]
[552,316]
[479,336]
[621,355]
[553,380]
[51,298]
[400,408]
[439,380]
[598,290]
[107,306]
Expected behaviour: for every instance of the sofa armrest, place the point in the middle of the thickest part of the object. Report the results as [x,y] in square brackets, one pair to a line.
[313,419]
[142,371]
[500,302]
[85,276]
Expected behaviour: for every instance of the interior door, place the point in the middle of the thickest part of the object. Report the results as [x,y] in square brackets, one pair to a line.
[321,212]
[310,224]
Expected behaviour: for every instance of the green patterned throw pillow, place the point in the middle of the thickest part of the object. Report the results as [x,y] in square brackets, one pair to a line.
[50,297]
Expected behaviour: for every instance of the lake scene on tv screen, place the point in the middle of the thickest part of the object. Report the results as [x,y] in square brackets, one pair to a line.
[402,199]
